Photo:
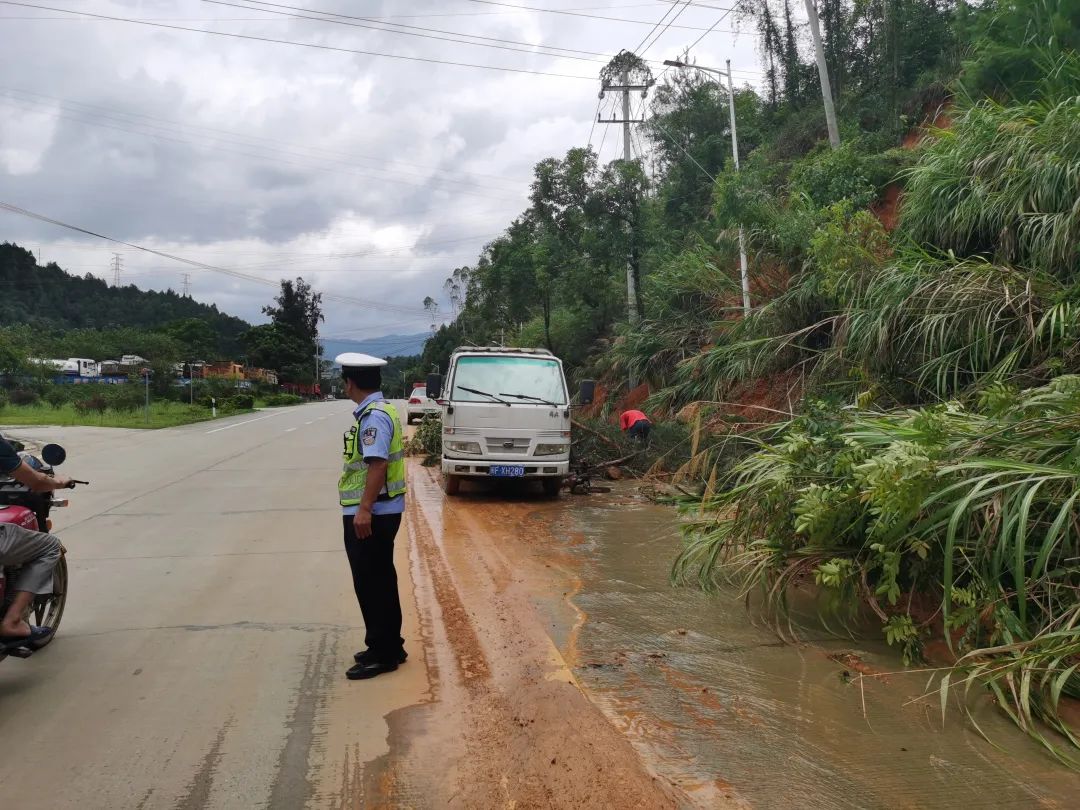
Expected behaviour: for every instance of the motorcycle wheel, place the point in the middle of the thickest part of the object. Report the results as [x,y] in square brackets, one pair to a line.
[48,609]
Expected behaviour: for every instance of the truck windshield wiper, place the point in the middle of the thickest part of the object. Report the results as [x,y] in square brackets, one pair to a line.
[527,396]
[484,394]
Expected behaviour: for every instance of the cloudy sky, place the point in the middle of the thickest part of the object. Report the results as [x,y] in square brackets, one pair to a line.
[370,176]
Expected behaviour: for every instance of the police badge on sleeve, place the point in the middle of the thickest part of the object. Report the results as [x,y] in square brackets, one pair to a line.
[368,436]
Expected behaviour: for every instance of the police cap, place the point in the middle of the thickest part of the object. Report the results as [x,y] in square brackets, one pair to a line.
[363,369]
[358,360]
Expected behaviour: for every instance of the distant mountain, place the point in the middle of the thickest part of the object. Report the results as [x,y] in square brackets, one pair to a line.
[386,346]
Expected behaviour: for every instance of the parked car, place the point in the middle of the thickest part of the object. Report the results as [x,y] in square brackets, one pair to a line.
[421,405]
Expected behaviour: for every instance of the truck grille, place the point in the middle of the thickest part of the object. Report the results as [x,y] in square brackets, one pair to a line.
[508,446]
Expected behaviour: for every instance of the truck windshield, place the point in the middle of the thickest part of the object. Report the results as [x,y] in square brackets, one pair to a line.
[531,377]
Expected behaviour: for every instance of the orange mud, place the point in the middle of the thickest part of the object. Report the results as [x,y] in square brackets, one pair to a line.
[507,725]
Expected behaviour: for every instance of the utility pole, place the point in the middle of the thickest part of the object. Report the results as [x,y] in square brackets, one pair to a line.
[823,74]
[117,265]
[625,87]
[187,285]
[744,274]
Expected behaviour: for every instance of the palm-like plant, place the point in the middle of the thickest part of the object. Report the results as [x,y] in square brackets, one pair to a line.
[977,506]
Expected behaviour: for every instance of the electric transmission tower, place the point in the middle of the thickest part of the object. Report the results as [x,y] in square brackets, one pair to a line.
[187,285]
[117,267]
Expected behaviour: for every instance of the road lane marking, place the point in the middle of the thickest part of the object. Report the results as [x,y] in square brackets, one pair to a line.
[290,430]
[312,422]
[238,424]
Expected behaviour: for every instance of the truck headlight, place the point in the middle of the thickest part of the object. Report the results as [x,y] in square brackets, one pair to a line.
[551,449]
[464,447]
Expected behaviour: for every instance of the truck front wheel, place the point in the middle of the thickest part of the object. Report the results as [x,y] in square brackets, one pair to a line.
[452,484]
[551,486]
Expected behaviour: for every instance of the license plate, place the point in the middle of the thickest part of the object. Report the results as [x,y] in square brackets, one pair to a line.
[507,470]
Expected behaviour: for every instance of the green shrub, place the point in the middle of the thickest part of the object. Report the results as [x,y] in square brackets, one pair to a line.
[828,176]
[23,396]
[96,403]
[282,400]
[976,507]
[242,402]
[58,395]
[427,439]
[124,398]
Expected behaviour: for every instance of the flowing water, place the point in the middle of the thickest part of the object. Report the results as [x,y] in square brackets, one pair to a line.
[727,711]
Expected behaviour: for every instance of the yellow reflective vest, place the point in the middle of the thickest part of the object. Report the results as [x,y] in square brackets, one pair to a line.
[355,471]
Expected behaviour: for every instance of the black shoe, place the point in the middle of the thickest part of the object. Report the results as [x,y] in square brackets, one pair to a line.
[361,672]
[366,657]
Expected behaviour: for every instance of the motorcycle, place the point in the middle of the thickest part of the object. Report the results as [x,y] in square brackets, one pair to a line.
[22,507]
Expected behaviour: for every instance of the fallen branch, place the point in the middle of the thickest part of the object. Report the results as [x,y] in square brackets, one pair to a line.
[616,462]
[595,433]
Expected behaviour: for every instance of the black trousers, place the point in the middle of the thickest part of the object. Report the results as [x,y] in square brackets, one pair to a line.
[640,430]
[375,582]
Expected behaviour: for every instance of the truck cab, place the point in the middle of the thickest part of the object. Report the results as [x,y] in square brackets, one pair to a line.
[506,414]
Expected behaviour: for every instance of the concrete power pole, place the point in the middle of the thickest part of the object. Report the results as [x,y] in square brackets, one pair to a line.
[744,273]
[631,276]
[823,73]
[625,88]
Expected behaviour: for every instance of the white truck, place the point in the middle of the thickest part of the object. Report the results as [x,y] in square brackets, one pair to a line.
[506,414]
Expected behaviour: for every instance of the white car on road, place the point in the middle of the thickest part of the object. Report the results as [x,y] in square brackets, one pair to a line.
[421,405]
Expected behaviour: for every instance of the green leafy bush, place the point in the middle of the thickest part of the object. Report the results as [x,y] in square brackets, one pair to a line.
[23,396]
[282,400]
[125,398]
[828,176]
[978,507]
[95,403]
[58,395]
[427,439]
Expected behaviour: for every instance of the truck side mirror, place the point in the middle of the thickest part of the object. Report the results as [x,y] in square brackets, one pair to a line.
[434,386]
[587,393]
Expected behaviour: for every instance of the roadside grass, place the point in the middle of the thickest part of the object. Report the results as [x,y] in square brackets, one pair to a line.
[161,415]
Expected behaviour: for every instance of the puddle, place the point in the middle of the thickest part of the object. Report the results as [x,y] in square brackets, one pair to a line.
[723,708]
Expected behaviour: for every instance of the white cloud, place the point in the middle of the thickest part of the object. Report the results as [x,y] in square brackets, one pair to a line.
[279,160]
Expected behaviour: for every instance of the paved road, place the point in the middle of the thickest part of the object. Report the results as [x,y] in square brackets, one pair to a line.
[210,619]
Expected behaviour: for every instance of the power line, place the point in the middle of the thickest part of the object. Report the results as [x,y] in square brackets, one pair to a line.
[315,46]
[202,265]
[596,16]
[374,17]
[345,19]
[350,156]
[669,9]
[335,166]
[595,118]
[600,149]
[664,29]
[710,30]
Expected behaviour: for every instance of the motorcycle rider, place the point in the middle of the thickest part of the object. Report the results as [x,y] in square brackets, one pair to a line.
[35,554]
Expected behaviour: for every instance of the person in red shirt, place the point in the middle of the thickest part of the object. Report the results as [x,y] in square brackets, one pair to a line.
[636,425]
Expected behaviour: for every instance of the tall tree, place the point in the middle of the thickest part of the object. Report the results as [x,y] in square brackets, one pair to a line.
[289,343]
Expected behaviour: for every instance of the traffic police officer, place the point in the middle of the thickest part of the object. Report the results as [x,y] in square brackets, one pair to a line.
[372,496]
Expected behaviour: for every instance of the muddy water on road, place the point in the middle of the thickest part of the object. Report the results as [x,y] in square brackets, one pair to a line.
[724,709]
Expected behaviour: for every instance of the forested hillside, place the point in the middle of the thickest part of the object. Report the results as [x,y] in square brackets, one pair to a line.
[50,299]
[895,419]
